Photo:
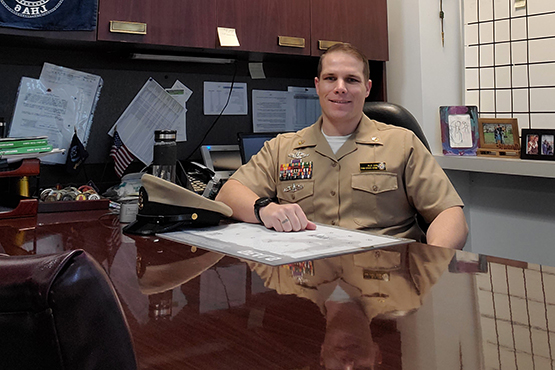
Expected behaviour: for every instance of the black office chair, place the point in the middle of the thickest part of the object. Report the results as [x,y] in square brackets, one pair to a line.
[61,312]
[394,114]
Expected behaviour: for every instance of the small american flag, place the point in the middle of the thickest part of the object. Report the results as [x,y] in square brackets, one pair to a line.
[122,156]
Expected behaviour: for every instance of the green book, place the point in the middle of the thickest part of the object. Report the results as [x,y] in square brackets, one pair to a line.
[18,142]
[26,149]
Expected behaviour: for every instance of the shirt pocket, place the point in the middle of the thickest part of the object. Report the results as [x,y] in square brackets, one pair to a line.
[378,260]
[300,192]
[374,193]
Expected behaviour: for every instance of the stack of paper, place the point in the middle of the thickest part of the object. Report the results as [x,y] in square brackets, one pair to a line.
[25,147]
[60,103]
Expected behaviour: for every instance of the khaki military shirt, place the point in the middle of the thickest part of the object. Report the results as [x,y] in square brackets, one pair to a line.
[377,181]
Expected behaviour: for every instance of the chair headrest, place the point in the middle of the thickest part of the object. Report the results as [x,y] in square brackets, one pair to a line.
[393,114]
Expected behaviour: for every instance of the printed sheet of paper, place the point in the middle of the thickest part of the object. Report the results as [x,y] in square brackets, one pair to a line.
[257,243]
[216,96]
[152,109]
[303,107]
[59,103]
[181,94]
[269,111]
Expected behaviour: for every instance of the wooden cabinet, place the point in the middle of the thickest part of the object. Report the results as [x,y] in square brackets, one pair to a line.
[271,26]
[187,23]
[296,27]
[363,23]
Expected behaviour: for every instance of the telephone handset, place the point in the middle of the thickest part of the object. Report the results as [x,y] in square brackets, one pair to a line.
[202,180]
[197,176]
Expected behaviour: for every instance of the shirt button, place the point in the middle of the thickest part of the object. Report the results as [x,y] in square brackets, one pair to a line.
[333,222]
[293,196]
[332,193]
[377,253]
[375,188]
[334,164]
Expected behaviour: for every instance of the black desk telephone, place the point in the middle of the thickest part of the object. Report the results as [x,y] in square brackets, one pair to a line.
[201,179]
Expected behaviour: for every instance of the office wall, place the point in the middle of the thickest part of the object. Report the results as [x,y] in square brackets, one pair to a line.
[509,216]
[123,78]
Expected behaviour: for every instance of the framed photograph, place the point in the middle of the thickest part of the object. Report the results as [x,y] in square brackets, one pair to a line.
[499,133]
[459,130]
[537,144]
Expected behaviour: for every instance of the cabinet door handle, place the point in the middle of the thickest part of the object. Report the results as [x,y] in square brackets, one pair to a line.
[294,42]
[326,44]
[128,27]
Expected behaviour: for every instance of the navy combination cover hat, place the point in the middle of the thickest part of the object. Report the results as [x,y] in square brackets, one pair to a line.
[165,206]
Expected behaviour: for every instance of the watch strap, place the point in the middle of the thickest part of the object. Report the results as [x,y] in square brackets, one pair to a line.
[261,203]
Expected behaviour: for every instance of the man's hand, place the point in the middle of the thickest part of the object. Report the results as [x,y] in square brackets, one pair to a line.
[285,217]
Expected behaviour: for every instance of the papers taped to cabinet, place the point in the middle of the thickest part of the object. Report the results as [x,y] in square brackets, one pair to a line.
[61,102]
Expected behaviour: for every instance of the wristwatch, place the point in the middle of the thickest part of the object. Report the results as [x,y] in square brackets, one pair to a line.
[260,203]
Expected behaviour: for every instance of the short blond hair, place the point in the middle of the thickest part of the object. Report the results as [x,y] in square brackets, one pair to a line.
[349,49]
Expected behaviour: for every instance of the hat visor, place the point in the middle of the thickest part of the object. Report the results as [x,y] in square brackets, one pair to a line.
[152,224]
[142,226]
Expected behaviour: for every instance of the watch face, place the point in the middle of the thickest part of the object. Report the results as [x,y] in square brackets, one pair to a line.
[262,202]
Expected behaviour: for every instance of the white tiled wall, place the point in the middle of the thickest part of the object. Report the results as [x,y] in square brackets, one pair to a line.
[510,60]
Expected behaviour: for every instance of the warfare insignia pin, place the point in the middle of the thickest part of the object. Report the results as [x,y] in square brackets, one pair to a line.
[298,155]
[293,188]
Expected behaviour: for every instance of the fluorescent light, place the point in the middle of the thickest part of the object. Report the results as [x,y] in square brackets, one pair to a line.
[180,58]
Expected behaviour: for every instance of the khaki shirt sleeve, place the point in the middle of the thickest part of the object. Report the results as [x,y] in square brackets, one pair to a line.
[428,187]
[260,173]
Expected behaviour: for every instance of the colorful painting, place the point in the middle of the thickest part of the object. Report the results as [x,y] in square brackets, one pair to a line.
[459,130]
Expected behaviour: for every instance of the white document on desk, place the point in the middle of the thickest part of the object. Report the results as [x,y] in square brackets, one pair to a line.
[152,109]
[257,243]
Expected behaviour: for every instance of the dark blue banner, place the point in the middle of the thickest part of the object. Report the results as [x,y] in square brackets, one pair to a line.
[51,15]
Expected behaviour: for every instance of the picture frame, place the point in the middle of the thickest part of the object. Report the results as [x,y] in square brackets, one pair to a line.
[499,137]
[538,144]
[459,130]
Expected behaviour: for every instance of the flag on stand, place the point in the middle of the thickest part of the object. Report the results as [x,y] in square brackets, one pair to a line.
[76,155]
[122,156]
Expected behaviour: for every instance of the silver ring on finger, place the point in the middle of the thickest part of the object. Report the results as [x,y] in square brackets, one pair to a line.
[285,221]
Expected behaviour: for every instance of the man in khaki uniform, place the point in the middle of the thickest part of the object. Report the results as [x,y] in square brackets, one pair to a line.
[347,170]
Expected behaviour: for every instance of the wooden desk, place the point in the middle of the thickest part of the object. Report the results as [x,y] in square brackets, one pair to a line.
[423,307]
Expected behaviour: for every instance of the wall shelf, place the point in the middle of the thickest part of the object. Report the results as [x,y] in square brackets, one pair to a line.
[504,166]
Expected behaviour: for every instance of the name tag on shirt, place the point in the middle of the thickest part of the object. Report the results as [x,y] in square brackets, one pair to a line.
[378,166]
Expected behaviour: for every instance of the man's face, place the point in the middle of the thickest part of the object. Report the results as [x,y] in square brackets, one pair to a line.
[342,88]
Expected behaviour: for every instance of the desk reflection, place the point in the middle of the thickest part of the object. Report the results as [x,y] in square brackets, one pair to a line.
[407,307]
[352,290]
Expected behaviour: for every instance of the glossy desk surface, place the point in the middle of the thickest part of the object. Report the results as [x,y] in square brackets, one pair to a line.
[406,307]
